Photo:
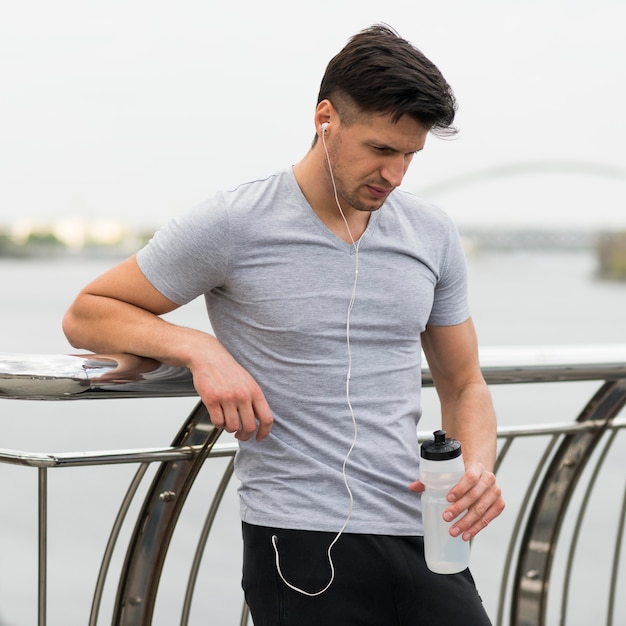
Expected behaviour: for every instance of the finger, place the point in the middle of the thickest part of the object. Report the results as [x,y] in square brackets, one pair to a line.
[483,521]
[211,401]
[469,484]
[465,506]
[264,416]
[248,423]
[474,483]
[473,502]
[232,421]
[479,514]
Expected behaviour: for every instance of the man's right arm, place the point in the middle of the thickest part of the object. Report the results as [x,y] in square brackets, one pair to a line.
[119,312]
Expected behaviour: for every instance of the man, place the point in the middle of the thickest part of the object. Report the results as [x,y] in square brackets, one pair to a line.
[323,283]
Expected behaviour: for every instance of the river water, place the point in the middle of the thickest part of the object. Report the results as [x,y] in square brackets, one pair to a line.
[518,298]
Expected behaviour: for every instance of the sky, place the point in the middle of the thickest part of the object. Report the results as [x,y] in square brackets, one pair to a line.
[136,110]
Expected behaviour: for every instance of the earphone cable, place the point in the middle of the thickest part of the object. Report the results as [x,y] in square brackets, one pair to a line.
[355,245]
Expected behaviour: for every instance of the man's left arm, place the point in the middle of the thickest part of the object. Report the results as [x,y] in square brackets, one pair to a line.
[468,416]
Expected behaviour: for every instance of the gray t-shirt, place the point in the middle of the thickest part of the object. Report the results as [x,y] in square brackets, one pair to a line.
[277,285]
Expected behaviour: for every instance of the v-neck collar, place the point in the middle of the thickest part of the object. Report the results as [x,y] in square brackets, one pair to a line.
[315,219]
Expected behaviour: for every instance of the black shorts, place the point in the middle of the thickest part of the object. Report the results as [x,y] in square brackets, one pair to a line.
[379,581]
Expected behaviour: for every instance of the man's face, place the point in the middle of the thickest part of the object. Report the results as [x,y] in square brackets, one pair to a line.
[370,157]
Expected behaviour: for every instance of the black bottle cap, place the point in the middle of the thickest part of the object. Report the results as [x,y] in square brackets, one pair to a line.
[440,448]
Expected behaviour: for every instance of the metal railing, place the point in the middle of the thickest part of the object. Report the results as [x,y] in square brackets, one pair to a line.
[533,562]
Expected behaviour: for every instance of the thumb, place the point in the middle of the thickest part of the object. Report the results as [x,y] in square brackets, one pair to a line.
[417,487]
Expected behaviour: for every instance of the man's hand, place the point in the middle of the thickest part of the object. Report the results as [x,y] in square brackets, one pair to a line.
[232,397]
[477,495]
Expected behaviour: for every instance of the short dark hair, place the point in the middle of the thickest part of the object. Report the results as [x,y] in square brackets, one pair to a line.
[380,72]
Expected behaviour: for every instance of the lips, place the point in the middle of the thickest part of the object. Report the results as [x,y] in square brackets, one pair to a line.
[379,192]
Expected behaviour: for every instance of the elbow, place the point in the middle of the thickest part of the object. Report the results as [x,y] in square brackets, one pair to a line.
[67,324]
[70,326]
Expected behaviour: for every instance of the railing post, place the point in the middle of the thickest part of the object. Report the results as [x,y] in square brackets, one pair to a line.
[42,587]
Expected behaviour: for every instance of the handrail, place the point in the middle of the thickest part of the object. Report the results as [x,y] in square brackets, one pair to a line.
[536,533]
[91,376]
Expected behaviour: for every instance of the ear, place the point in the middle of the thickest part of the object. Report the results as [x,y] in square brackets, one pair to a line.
[324,113]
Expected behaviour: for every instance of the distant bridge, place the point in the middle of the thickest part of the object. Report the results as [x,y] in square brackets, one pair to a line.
[530,238]
[523,168]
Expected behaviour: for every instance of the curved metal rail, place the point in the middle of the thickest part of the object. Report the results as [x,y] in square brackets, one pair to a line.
[551,503]
[139,581]
[536,532]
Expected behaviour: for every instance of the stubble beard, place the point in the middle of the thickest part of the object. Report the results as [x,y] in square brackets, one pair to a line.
[351,198]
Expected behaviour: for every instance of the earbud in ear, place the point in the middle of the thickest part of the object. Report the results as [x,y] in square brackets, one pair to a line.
[325,126]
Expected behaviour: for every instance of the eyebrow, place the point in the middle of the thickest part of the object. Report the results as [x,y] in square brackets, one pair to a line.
[383,146]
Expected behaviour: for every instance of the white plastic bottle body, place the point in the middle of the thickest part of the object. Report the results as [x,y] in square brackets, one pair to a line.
[444,553]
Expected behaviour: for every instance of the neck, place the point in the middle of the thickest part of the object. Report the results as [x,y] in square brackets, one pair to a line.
[315,182]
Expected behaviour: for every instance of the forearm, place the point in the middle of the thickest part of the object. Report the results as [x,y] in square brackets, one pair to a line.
[469,417]
[107,326]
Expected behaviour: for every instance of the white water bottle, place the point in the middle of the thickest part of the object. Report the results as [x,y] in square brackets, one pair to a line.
[441,467]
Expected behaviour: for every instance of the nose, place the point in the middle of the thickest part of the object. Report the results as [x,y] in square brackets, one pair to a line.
[395,168]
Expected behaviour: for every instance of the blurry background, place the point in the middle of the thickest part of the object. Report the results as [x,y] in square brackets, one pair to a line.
[129,112]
